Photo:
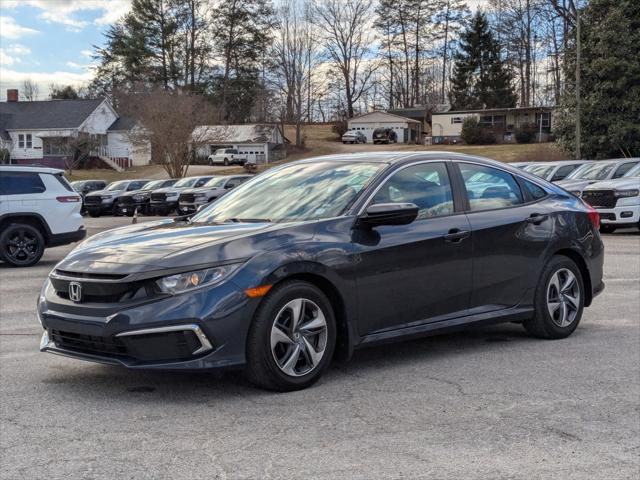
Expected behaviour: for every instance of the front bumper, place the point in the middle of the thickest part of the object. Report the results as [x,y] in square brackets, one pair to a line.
[203,329]
[125,208]
[191,207]
[166,205]
[620,215]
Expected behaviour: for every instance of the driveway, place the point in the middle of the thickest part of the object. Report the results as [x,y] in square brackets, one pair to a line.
[488,403]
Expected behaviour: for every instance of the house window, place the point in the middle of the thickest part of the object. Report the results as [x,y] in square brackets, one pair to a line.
[21,141]
[490,120]
[456,119]
[29,142]
[55,146]
[544,117]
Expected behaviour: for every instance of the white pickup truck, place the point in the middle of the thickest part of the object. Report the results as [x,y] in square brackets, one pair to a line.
[227,156]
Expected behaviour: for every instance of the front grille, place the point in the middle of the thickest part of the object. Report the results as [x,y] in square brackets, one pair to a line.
[158,197]
[93,200]
[100,276]
[89,343]
[187,197]
[600,198]
[126,200]
[103,292]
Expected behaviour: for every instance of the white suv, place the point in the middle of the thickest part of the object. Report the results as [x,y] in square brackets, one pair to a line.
[227,156]
[38,209]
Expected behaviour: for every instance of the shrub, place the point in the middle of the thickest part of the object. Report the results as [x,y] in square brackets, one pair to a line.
[471,131]
[524,136]
[339,128]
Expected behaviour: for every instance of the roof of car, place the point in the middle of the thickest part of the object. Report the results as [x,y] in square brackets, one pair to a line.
[30,168]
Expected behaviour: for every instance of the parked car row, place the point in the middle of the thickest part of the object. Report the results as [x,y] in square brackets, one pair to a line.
[379,135]
[612,187]
[154,197]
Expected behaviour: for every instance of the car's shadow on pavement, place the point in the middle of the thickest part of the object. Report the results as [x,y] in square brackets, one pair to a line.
[367,365]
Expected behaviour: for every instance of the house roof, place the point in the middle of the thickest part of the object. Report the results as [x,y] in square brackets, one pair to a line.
[256,133]
[122,124]
[49,114]
[391,117]
[495,110]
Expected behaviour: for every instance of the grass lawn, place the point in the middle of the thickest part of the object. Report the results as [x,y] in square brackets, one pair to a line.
[320,140]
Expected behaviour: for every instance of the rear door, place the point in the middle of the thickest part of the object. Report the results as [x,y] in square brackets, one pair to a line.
[510,231]
[419,272]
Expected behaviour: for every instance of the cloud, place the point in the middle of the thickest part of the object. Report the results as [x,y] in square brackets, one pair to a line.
[86,53]
[63,11]
[77,65]
[10,29]
[12,79]
[11,55]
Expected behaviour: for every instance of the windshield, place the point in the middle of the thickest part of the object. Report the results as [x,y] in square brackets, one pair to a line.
[117,186]
[541,170]
[299,192]
[531,166]
[592,171]
[215,182]
[185,182]
[634,172]
[152,185]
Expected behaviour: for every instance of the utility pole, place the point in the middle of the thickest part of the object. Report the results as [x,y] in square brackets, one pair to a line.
[578,142]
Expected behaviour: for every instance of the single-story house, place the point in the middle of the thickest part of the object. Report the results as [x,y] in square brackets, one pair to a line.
[39,132]
[503,123]
[262,143]
[407,130]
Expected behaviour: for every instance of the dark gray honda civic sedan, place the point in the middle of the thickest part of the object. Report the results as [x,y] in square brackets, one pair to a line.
[313,259]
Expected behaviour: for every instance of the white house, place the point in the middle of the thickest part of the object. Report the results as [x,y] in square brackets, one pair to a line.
[503,123]
[407,130]
[36,132]
[260,142]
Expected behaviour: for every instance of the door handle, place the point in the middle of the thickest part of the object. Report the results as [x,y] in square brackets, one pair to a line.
[456,235]
[537,218]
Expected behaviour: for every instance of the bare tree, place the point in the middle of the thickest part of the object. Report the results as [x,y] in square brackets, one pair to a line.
[30,90]
[76,150]
[167,121]
[345,25]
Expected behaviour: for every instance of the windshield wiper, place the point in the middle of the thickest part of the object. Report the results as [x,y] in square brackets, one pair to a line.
[247,220]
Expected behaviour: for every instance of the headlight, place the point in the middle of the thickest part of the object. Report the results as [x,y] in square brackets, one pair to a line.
[138,198]
[577,193]
[200,195]
[106,197]
[625,193]
[172,194]
[183,282]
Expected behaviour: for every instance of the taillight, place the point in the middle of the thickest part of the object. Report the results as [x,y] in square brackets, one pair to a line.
[594,216]
[68,199]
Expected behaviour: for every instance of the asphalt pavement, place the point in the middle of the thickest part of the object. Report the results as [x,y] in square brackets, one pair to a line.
[490,403]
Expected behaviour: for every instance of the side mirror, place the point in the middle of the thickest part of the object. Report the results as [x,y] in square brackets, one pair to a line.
[388,214]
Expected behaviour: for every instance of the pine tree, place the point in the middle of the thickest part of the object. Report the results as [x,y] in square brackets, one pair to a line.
[480,77]
[610,82]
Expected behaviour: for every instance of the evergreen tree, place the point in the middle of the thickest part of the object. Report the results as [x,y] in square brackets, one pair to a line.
[480,77]
[610,82]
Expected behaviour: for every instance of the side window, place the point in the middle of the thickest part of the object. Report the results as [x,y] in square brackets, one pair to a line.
[201,182]
[533,191]
[489,188]
[562,172]
[20,183]
[624,168]
[63,181]
[427,185]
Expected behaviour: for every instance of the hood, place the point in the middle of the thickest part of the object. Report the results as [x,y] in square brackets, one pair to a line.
[136,192]
[617,184]
[575,184]
[204,190]
[104,192]
[169,244]
[170,189]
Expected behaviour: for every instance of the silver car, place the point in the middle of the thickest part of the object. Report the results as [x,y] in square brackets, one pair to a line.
[354,136]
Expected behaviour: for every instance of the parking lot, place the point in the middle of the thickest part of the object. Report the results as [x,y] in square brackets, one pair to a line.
[487,403]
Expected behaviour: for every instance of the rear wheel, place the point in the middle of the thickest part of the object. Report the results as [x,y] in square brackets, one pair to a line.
[21,245]
[292,338]
[210,163]
[559,300]
[226,162]
[94,213]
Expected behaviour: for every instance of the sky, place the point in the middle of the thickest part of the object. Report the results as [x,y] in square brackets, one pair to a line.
[51,41]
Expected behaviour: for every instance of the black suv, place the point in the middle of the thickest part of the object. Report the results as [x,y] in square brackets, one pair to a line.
[384,135]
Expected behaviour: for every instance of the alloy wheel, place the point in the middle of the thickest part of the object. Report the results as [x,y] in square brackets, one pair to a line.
[299,337]
[22,246]
[563,297]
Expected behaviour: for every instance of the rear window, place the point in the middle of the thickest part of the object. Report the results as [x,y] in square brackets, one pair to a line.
[63,181]
[20,183]
[533,191]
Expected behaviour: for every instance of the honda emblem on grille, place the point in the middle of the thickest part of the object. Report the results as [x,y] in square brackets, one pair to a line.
[75,291]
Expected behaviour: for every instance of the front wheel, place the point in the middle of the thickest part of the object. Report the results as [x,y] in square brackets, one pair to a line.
[226,162]
[210,163]
[559,300]
[292,338]
[607,228]
[21,245]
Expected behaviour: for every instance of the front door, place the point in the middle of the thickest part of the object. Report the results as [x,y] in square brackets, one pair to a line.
[419,272]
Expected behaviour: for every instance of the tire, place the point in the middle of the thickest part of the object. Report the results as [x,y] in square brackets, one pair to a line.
[567,314]
[607,228]
[226,162]
[210,163]
[94,213]
[263,370]
[21,245]
[162,212]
